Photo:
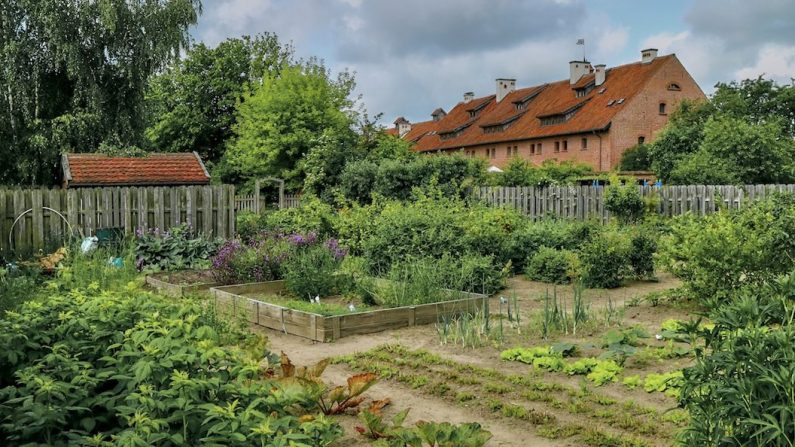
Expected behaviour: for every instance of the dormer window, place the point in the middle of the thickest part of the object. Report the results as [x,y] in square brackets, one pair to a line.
[674,87]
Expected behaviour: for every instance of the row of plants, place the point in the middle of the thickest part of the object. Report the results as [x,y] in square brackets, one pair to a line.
[551,404]
[602,260]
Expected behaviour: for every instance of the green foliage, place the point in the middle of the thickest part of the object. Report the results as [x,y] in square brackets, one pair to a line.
[397,178]
[311,216]
[666,382]
[743,135]
[527,238]
[643,246]
[16,286]
[192,103]
[122,366]
[175,249]
[721,252]
[635,158]
[624,201]
[598,371]
[553,266]
[429,434]
[279,121]
[740,389]
[519,172]
[604,259]
[312,272]
[74,75]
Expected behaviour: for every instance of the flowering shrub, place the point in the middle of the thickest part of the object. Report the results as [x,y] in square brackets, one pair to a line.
[263,256]
[173,249]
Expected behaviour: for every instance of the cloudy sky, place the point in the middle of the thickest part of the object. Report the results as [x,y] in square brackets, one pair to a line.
[411,56]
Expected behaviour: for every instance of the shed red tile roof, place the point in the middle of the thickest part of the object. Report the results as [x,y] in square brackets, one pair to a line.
[153,169]
[593,113]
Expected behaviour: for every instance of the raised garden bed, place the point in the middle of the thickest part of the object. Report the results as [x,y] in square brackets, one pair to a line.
[182,283]
[234,300]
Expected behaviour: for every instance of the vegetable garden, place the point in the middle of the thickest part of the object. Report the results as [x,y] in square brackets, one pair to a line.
[645,331]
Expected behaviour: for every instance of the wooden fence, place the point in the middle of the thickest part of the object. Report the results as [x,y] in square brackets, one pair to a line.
[35,219]
[587,202]
[248,202]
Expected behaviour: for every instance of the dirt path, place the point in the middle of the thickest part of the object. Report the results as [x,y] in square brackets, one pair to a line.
[427,407]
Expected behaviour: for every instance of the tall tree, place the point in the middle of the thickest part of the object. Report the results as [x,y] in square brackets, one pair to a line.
[74,74]
[192,103]
[280,121]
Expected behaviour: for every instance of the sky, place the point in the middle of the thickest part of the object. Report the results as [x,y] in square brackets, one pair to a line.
[412,56]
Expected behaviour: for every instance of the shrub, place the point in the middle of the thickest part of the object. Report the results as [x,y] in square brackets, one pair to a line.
[131,368]
[604,260]
[311,216]
[473,273]
[415,281]
[724,251]
[311,272]
[624,201]
[740,388]
[636,158]
[176,248]
[357,181]
[524,242]
[16,285]
[553,266]
[643,245]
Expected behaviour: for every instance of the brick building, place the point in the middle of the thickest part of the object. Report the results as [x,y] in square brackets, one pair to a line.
[592,117]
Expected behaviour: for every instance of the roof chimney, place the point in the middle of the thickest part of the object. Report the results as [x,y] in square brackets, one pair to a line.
[504,87]
[599,74]
[648,55]
[469,96]
[438,114]
[578,69]
[403,126]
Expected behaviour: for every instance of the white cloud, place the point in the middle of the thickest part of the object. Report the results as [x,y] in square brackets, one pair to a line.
[774,61]
[613,40]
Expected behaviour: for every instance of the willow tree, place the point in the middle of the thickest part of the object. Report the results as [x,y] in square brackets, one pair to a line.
[73,75]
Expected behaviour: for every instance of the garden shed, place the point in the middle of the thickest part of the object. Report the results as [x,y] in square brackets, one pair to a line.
[158,169]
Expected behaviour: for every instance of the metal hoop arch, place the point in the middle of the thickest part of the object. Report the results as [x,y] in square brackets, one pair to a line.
[11,232]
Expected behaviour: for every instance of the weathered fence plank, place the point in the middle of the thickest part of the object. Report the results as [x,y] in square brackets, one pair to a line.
[587,202]
[39,225]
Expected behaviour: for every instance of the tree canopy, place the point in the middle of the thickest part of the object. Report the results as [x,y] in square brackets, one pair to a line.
[743,135]
[192,103]
[74,74]
[280,121]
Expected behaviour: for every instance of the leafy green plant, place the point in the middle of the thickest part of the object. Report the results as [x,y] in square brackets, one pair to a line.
[312,272]
[553,266]
[720,253]
[117,364]
[605,259]
[596,370]
[173,249]
[623,200]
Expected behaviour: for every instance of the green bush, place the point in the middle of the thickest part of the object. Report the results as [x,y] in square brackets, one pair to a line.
[643,245]
[397,178]
[16,286]
[553,266]
[311,272]
[605,259]
[740,389]
[311,216]
[174,249]
[636,158]
[91,367]
[624,201]
[724,251]
[525,241]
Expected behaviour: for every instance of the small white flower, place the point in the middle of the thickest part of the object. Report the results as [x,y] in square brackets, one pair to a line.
[658,336]
[317,299]
[351,307]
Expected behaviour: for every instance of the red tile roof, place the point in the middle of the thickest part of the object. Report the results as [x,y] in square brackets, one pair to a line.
[592,114]
[153,169]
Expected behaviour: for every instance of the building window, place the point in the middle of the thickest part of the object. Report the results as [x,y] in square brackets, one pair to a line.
[557,146]
[641,139]
[565,145]
[674,87]
[584,144]
[533,149]
[515,151]
[493,152]
[508,151]
[538,148]
[662,108]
